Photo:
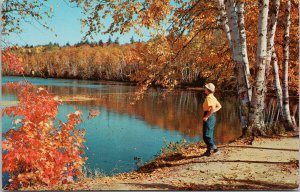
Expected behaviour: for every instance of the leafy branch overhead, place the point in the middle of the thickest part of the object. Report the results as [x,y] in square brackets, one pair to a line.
[14,13]
[245,25]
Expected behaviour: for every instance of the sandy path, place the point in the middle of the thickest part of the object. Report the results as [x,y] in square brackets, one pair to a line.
[268,164]
[264,165]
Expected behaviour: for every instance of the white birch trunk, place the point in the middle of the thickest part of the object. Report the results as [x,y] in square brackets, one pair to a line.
[286,108]
[257,105]
[224,20]
[272,56]
[234,31]
[243,40]
[274,10]
[241,23]
[241,74]
[277,83]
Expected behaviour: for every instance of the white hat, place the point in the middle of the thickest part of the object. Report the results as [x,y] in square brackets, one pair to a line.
[210,87]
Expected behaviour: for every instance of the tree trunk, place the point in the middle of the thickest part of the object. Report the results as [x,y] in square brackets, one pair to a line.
[243,40]
[294,108]
[272,56]
[241,74]
[241,24]
[287,120]
[274,10]
[257,126]
[277,83]
[224,20]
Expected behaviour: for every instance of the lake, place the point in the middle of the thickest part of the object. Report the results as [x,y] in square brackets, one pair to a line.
[124,131]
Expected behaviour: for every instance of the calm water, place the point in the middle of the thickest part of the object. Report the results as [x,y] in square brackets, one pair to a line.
[124,131]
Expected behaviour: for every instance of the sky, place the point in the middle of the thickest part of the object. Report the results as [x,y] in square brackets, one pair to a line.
[67,26]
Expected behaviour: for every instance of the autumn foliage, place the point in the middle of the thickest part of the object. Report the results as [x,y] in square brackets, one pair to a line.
[180,29]
[134,62]
[35,150]
[13,62]
[82,62]
[191,48]
[38,149]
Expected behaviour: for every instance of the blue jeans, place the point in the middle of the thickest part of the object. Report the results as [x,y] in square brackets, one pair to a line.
[208,131]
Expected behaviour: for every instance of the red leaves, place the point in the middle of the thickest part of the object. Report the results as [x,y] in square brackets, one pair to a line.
[39,152]
[13,62]
[19,85]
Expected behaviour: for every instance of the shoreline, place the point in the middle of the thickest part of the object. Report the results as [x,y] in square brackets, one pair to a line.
[131,83]
[267,164]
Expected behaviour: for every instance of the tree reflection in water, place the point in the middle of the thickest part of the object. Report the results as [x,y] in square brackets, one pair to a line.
[124,131]
[181,110]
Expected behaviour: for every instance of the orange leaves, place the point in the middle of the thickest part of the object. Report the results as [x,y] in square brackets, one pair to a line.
[11,61]
[15,12]
[39,152]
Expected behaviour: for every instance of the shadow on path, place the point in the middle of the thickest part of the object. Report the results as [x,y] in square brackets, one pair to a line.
[150,167]
[239,185]
[252,147]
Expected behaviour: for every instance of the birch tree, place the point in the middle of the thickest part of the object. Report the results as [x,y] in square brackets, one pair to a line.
[277,84]
[274,10]
[266,54]
[271,53]
[243,38]
[285,87]
[256,118]
[237,38]
[272,58]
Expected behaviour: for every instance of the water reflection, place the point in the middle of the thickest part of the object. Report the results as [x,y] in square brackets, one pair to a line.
[180,111]
[124,131]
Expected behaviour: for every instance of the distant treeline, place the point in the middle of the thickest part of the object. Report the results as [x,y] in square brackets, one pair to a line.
[81,61]
[90,60]
[109,41]
[134,62]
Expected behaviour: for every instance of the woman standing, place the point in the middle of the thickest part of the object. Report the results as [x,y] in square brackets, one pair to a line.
[210,106]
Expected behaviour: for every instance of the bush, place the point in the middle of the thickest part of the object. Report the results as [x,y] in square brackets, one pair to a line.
[38,152]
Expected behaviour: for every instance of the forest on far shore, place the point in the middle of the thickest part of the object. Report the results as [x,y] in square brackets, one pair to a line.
[128,62]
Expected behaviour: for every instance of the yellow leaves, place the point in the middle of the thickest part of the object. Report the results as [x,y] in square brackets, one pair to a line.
[40,89]
[83,21]
[78,112]
[6,145]
[56,98]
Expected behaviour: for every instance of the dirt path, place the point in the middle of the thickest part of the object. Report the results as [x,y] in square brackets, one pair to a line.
[267,164]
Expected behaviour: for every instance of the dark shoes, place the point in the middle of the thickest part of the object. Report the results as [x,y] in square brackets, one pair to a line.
[216,151]
[207,153]
[210,152]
